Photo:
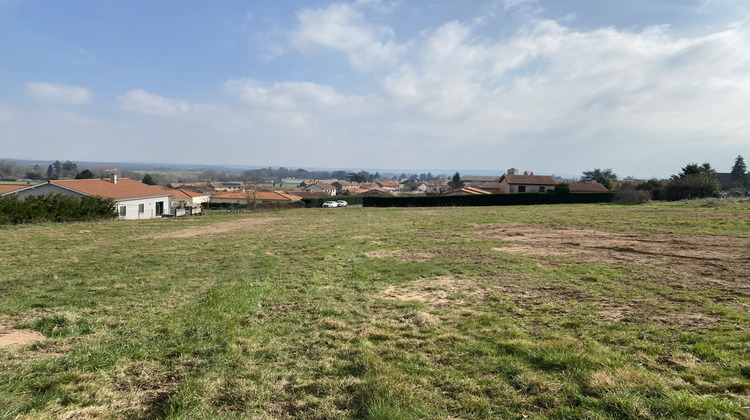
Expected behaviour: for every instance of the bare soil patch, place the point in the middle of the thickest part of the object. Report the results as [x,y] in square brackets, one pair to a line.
[438,292]
[697,262]
[400,255]
[422,212]
[219,228]
[18,338]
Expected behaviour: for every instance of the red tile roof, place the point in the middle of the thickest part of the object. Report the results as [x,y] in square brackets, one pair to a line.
[474,191]
[529,179]
[125,188]
[587,187]
[6,188]
[178,193]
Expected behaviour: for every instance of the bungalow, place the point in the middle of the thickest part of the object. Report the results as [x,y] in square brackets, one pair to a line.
[134,200]
[320,187]
[185,202]
[511,182]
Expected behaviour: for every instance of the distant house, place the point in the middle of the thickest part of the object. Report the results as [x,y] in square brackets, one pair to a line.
[185,202]
[320,187]
[134,200]
[309,194]
[343,187]
[389,185]
[257,196]
[511,182]
[377,192]
[477,180]
[587,187]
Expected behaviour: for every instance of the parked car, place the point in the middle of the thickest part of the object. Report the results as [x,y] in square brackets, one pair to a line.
[342,203]
[330,204]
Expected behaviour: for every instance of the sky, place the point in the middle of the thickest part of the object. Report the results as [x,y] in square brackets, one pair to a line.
[550,86]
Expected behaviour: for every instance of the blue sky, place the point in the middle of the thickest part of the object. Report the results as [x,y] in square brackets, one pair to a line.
[642,87]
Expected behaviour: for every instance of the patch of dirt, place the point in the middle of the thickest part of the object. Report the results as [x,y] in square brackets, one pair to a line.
[18,338]
[697,262]
[422,212]
[438,292]
[222,227]
[400,255]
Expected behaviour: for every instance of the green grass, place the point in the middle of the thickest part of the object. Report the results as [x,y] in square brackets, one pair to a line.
[368,313]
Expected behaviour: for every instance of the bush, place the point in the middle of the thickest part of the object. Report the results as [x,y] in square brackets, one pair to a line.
[632,196]
[54,208]
[700,185]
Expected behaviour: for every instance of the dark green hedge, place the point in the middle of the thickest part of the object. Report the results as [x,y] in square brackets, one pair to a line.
[54,208]
[523,199]
[318,202]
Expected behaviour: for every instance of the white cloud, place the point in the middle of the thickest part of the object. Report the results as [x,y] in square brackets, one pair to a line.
[342,27]
[58,94]
[143,102]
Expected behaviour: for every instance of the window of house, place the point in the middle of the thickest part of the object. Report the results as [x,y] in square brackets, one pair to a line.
[141,208]
[522,188]
[541,189]
[123,210]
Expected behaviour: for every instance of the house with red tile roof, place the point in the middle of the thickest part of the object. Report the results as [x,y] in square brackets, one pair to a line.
[186,202]
[512,182]
[134,199]
[469,191]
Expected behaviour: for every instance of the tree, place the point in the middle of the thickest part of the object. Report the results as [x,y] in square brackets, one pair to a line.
[357,177]
[595,174]
[606,181]
[148,180]
[739,170]
[694,181]
[85,174]
[456,183]
[562,188]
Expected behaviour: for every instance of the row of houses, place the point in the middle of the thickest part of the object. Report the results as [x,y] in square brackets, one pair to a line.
[135,200]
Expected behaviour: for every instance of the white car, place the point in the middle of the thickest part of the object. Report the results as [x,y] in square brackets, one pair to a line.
[330,204]
[342,203]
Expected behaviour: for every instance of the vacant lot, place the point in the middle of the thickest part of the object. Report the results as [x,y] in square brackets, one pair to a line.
[576,311]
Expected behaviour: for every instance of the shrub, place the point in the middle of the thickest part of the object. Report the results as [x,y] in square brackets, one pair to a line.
[54,208]
[631,196]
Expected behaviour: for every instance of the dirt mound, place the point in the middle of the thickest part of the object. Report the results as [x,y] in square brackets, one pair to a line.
[18,338]
[219,228]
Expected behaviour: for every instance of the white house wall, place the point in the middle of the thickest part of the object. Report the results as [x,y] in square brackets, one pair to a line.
[149,208]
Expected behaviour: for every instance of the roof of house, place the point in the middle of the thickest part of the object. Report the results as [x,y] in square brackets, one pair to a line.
[258,195]
[479,178]
[6,188]
[587,187]
[388,184]
[124,189]
[178,193]
[529,179]
[310,194]
[473,191]
[494,185]
[376,191]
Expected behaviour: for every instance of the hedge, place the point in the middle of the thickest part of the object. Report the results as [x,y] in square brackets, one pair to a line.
[54,208]
[243,207]
[523,199]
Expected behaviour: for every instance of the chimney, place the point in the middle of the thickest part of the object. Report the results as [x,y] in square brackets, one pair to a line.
[512,171]
[114,178]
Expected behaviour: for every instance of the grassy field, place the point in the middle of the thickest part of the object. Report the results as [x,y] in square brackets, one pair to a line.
[560,312]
